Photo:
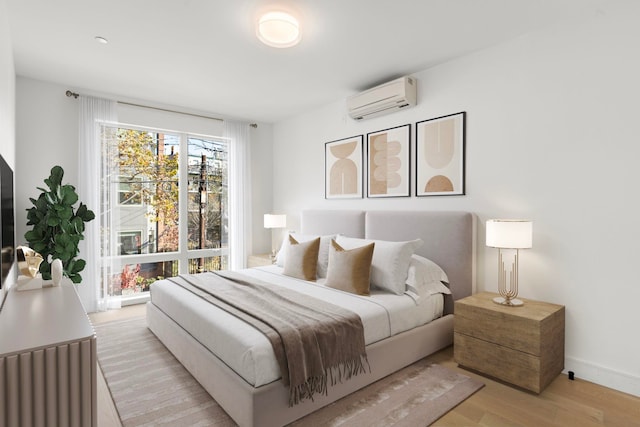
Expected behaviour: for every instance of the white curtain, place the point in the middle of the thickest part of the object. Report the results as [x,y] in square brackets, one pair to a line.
[92,111]
[239,192]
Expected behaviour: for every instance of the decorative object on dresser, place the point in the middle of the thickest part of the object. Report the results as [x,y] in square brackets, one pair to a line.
[513,235]
[47,359]
[273,221]
[56,271]
[57,226]
[28,261]
[29,264]
[524,347]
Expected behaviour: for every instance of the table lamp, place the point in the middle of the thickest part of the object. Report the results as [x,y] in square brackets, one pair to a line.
[512,235]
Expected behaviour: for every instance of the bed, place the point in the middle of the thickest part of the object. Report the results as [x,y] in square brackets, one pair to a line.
[245,382]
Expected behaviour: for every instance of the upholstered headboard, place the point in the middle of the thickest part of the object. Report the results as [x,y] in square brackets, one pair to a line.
[449,237]
[349,223]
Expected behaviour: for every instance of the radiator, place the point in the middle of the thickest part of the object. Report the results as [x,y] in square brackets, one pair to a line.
[53,386]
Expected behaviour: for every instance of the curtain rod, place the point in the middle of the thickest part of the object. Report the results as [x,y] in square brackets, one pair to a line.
[76,95]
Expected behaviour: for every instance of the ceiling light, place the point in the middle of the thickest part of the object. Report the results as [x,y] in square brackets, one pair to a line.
[278,29]
[101,40]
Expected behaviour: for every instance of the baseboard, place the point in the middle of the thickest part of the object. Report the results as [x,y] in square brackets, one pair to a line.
[621,381]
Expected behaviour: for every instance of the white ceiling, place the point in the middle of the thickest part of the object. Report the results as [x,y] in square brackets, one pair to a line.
[203,55]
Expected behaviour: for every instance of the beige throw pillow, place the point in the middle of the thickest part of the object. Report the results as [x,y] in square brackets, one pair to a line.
[349,270]
[390,262]
[302,258]
[323,255]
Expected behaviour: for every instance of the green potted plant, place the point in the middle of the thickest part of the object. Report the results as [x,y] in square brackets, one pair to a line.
[57,226]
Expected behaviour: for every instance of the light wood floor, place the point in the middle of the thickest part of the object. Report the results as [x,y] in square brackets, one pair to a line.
[564,403]
[107,414]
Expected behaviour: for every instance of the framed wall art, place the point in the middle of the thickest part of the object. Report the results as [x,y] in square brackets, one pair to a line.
[440,152]
[343,168]
[389,162]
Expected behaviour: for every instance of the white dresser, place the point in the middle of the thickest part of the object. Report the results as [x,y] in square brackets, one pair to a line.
[47,359]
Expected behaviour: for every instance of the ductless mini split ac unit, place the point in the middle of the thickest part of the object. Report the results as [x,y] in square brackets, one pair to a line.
[383,99]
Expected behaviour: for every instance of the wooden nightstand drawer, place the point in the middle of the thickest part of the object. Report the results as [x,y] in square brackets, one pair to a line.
[509,365]
[521,345]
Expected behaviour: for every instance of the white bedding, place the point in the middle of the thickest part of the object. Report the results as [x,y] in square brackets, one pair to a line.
[246,351]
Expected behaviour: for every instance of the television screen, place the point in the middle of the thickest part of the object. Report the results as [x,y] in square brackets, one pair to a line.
[6,217]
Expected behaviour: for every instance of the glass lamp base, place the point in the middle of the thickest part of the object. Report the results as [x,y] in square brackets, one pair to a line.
[512,302]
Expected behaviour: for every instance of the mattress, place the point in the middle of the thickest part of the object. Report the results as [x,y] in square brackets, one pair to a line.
[248,352]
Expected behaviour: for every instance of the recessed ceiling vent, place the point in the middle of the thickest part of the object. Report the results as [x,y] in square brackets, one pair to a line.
[383,99]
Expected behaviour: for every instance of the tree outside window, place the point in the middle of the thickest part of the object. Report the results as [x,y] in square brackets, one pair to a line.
[144,176]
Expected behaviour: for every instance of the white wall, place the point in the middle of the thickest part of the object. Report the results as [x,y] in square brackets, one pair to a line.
[261,185]
[47,135]
[551,136]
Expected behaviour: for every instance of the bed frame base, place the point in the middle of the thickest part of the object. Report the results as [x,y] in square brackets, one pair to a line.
[268,405]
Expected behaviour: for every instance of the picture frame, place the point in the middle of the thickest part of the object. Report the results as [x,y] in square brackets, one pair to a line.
[343,165]
[389,162]
[440,156]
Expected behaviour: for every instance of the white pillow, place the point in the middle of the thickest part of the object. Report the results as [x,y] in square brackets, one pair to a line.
[425,274]
[390,263]
[426,290]
[323,255]
[425,278]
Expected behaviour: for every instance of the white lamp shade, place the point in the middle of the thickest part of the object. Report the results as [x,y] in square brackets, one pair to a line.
[278,29]
[275,221]
[509,233]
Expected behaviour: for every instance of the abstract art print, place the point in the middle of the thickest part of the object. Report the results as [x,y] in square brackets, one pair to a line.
[440,149]
[343,168]
[388,162]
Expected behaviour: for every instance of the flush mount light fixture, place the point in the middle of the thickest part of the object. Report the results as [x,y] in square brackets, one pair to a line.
[101,40]
[278,29]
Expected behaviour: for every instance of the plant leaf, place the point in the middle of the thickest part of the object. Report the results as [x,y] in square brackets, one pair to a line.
[69,195]
[80,265]
[56,175]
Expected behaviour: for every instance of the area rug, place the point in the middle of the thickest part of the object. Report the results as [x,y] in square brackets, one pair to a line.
[150,387]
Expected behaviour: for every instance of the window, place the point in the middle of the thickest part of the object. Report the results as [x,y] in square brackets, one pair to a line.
[130,242]
[129,191]
[150,228]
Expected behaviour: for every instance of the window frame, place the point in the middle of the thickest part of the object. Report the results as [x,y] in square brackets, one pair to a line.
[183,254]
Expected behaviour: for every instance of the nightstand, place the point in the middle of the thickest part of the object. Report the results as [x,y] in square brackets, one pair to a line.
[259,260]
[523,345]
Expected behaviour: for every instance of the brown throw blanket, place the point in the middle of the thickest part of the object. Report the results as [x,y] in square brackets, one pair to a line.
[313,340]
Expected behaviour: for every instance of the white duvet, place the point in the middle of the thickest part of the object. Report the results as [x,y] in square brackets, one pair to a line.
[248,352]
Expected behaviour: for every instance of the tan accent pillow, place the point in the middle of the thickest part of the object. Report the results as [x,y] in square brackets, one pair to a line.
[302,259]
[323,255]
[390,262]
[349,270]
